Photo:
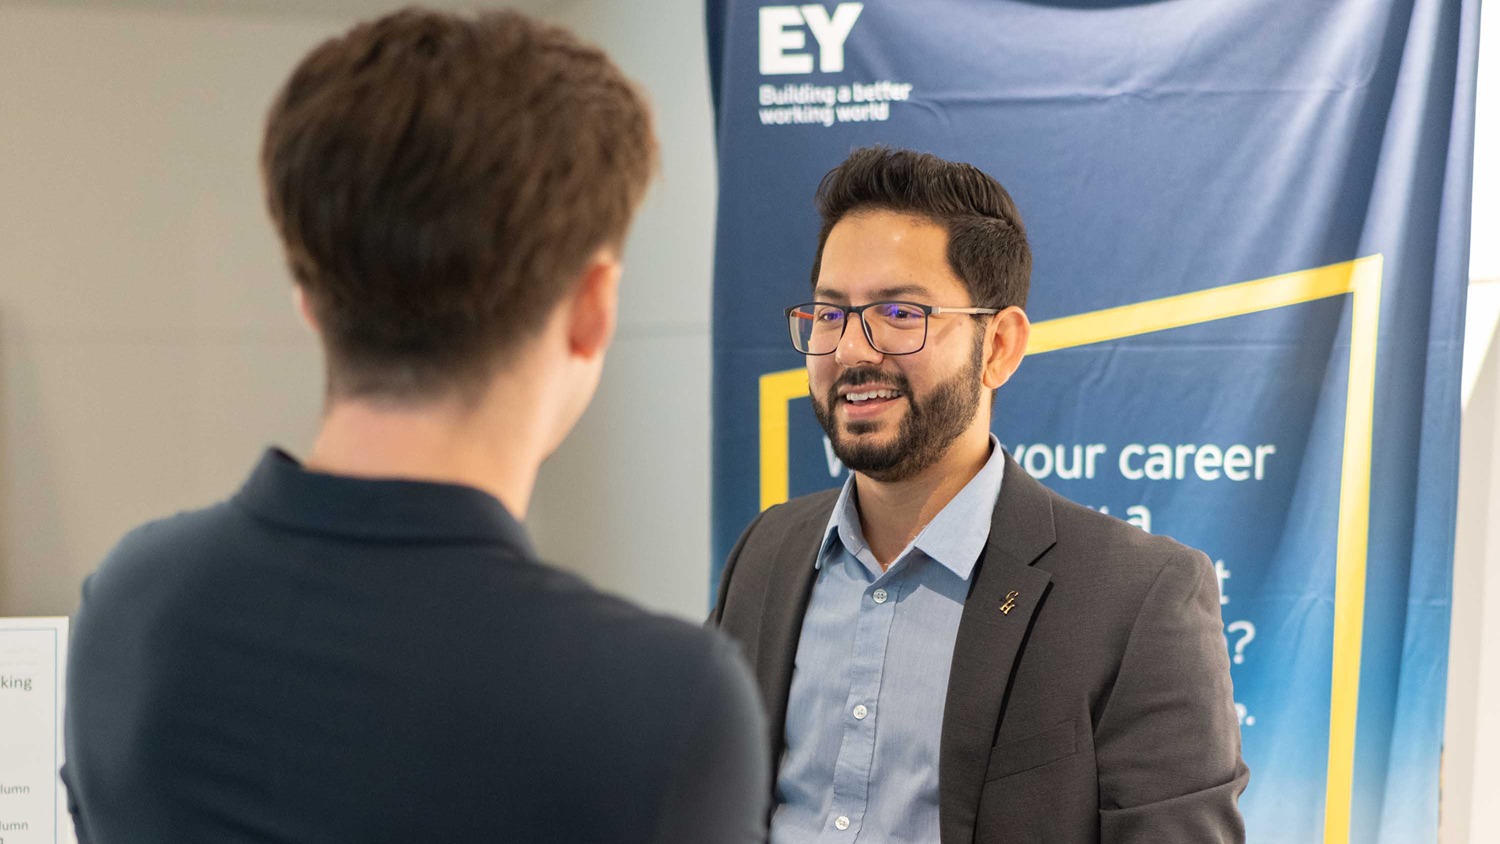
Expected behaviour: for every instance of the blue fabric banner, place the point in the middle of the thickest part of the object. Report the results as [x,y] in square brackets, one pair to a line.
[1250,222]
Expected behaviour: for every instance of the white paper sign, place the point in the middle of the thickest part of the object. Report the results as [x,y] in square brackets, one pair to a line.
[33,805]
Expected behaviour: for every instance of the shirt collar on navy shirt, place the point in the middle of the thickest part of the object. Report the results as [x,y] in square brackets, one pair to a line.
[955,536]
[282,490]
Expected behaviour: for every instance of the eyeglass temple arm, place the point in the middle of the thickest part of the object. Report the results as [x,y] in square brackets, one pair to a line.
[941,310]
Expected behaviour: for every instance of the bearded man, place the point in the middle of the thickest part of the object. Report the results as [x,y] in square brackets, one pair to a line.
[948,650]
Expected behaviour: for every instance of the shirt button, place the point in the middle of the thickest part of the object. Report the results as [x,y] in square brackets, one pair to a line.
[879,596]
[841,823]
[860,712]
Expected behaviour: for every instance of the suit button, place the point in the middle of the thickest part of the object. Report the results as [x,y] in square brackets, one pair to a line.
[841,823]
[879,596]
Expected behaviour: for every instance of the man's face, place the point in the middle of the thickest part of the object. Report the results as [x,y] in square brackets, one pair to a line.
[923,401]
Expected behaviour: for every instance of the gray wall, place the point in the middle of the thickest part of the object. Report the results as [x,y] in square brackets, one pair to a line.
[1472,735]
[148,347]
[625,500]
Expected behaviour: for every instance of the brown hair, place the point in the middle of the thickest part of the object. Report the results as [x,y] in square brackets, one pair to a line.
[986,239]
[439,181]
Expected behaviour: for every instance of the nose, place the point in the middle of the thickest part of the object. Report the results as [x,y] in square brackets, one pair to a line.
[854,347]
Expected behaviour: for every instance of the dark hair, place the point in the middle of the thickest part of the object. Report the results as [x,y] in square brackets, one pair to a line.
[986,238]
[439,181]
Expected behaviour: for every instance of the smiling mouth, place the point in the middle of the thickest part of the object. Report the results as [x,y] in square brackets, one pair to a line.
[870,397]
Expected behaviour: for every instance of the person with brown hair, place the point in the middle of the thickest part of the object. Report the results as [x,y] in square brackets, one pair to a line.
[949,651]
[363,646]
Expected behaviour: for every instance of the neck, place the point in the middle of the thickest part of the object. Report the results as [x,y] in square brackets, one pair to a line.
[891,514]
[443,442]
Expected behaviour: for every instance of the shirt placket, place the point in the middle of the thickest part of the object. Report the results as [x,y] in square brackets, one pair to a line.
[852,771]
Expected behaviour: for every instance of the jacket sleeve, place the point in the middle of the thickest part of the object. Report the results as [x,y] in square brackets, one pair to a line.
[716,615]
[1168,739]
[717,791]
[66,773]
[80,833]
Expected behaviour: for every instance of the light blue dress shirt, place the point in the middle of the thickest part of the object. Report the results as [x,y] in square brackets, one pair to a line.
[865,709]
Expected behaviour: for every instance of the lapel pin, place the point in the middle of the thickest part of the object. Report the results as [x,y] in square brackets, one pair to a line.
[1010,602]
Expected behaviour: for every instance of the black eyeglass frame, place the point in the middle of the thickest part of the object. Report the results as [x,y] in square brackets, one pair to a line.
[928,311]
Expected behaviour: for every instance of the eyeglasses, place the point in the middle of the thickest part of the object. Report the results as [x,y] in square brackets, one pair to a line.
[893,328]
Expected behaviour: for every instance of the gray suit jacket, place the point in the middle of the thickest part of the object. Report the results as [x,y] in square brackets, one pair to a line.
[1099,708]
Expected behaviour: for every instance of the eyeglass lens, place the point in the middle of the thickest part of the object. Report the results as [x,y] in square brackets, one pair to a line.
[893,328]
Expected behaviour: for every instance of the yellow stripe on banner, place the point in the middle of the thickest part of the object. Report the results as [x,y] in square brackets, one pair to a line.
[1353,548]
[1361,278]
[777,389]
[1191,308]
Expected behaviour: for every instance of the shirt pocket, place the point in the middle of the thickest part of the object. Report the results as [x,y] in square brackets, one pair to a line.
[1033,751]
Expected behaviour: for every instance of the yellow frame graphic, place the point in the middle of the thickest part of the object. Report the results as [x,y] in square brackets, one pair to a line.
[1361,279]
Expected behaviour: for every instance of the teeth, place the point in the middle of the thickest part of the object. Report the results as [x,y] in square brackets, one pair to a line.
[873,394]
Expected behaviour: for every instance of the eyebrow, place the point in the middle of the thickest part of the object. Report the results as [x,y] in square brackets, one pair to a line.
[879,295]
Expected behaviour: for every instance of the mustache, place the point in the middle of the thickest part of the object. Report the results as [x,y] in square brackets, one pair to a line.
[868,375]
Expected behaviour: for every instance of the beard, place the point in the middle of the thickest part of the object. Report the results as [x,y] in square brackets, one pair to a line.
[931,424]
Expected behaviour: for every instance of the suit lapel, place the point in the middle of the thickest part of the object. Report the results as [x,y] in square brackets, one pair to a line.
[1006,593]
[787,594]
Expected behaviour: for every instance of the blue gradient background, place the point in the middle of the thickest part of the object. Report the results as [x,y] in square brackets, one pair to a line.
[1156,149]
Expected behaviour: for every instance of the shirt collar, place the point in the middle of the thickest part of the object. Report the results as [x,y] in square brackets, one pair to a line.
[283,491]
[955,536]
[843,526]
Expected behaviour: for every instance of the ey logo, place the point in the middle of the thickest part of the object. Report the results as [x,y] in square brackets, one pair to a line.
[782,39]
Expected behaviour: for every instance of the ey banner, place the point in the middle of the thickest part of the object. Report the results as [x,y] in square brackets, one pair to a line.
[1250,224]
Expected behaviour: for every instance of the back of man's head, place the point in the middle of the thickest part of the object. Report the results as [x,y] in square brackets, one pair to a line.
[439,182]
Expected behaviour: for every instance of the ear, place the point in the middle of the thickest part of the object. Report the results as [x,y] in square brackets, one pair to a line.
[1005,345]
[305,308]
[595,306]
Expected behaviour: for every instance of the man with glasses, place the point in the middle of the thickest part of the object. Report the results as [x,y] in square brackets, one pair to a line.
[950,652]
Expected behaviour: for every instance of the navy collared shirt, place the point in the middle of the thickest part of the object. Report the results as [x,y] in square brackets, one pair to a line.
[865,709]
[327,658]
